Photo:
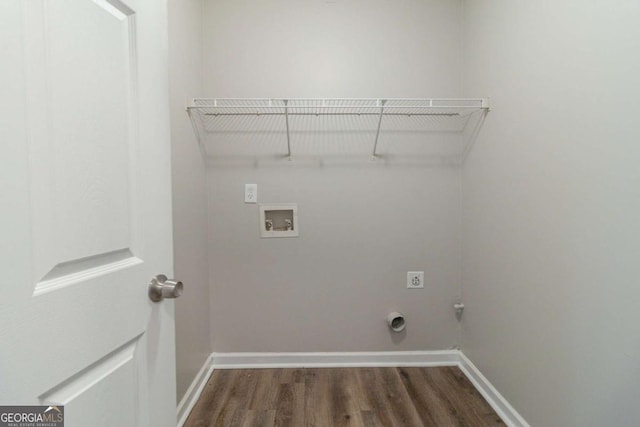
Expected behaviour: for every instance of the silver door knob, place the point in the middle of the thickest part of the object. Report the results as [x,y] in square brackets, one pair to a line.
[161,288]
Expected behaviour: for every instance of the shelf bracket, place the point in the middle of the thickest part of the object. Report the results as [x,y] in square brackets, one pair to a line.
[375,144]
[197,130]
[286,118]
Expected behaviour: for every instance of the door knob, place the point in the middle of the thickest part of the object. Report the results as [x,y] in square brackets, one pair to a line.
[161,288]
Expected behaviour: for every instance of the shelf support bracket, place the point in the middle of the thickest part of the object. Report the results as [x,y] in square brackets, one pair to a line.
[198,132]
[286,118]
[375,144]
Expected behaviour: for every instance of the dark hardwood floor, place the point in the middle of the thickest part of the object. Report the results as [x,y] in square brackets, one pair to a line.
[328,397]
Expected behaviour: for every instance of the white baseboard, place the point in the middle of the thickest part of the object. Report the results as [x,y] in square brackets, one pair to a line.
[334,360]
[350,360]
[503,408]
[192,394]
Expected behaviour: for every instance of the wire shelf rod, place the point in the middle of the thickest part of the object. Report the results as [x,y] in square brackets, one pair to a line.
[336,107]
[322,100]
[333,114]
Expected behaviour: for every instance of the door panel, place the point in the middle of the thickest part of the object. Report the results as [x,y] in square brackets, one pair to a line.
[86,210]
[80,87]
[113,378]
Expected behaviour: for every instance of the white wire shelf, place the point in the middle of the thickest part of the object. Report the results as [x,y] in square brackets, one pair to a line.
[231,116]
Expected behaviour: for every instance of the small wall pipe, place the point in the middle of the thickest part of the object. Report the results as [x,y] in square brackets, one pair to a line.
[396,321]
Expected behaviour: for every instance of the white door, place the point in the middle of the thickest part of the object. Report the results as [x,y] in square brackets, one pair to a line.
[85,203]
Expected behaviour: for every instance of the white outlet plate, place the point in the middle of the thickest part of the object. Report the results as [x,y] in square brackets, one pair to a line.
[415,279]
[251,193]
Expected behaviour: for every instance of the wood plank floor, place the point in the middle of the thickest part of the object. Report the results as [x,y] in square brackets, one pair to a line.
[330,397]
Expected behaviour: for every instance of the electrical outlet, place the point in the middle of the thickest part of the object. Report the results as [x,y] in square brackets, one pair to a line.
[415,279]
[251,193]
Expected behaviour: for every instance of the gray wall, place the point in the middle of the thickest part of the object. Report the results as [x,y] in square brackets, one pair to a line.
[363,225]
[551,195]
[189,194]
[551,208]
